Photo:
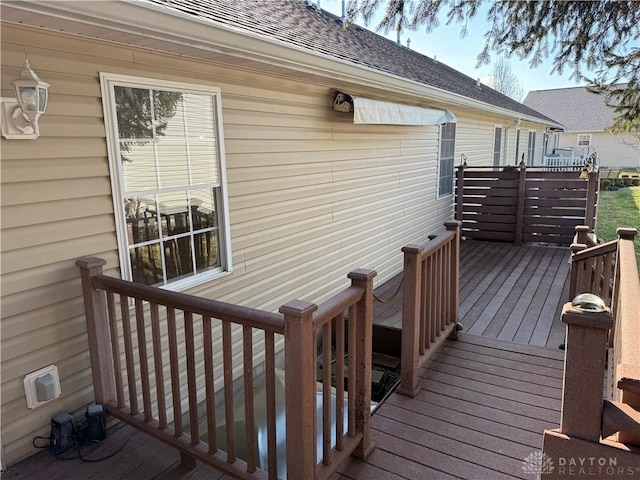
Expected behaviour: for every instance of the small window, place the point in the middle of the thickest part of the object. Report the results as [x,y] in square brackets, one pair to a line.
[517,161]
[584,140]
[497,142]
[167,171]
[446,159]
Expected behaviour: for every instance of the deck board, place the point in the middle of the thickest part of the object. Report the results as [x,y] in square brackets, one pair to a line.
[509,292]
[472,422]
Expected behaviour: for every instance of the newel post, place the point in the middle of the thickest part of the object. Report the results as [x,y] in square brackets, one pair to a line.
[98,332]
[574,269]
[584,366]
[410,320]
[454,275]
[364,343]
[300,388]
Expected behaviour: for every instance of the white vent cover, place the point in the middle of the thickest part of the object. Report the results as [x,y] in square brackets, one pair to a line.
[42,386]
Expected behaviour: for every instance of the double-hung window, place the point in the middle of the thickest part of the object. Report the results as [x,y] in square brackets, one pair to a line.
[584,140]
[167,168]
[446,159]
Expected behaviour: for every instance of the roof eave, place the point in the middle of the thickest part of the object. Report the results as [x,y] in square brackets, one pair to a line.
[152,26]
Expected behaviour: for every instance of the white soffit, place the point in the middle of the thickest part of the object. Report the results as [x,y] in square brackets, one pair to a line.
[366,110]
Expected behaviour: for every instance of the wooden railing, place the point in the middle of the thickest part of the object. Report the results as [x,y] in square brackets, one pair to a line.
[154,366]
[524,205]
[593,422]
[565,163]
[430,301]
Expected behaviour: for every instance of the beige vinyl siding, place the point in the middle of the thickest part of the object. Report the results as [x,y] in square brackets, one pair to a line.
[613,150]
[311,196]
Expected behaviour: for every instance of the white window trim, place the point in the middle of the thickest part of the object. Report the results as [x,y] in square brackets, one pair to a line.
[493,146]
[439,165]
[533,152]
[583,135]
[107,83]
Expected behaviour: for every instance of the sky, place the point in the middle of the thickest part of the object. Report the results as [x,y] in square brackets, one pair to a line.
[460,53]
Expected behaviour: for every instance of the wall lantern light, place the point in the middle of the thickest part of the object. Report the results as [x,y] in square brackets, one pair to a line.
[20,115]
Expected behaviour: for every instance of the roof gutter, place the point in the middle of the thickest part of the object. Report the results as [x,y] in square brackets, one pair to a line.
[190,35]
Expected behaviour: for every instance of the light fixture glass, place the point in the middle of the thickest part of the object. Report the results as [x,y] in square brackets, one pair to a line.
[31,93]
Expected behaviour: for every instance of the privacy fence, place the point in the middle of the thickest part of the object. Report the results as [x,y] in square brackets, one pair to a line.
[525,205]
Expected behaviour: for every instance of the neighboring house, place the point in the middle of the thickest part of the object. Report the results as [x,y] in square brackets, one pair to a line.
[245,185]
[585,117]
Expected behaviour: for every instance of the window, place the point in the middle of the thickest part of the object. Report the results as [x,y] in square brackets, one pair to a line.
[517,161]
[446,159]
[497,142]
[168,180]
[531,147]
[584,140]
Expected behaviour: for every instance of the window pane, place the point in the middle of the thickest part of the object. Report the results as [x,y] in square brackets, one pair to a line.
[168,114]
[206,250]
[173,210]
[172,163]
[177,257]
[142,223]
[133,111]
[146,264]
[138,166]
[203,209]
[200,115]
[204,166]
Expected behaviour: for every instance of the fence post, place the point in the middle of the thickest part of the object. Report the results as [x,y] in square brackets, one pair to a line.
[459,192]
[364,343]
[98,331]
[522,183]
[584,366]
[592,198]
[454,276]
[300,388]
[410,320]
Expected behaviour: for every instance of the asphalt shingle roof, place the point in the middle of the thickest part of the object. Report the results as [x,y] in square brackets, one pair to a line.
[292,22]
[576,108]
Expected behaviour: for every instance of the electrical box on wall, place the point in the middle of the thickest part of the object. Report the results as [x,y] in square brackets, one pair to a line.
[42,386]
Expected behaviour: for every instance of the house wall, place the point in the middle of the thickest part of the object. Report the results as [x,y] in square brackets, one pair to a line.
[613,150]
[475,133]
[311,196]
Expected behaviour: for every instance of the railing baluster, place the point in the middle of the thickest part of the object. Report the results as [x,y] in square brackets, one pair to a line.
[191,378]
[144,360]
[227,354]
[128,352]
[339,381]
[270,367]
[115,348]
[207,339]
[158,365]
[249,416]
[351,365]
[175,372]
[326,394]
[423,309]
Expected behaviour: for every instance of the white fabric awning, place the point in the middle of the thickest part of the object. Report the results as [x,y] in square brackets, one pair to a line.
[366,110]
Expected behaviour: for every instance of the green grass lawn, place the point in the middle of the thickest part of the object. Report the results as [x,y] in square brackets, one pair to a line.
[619,208]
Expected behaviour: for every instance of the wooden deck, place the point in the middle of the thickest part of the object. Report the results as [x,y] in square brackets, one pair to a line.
[508,292]
[481,410]
[484,400]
